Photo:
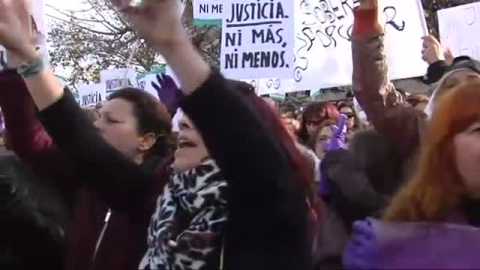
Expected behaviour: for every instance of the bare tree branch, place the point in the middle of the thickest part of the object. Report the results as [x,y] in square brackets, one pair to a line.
[97,37]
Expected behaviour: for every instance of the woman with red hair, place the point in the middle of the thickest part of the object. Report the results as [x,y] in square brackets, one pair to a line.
[433,221]
[313,117]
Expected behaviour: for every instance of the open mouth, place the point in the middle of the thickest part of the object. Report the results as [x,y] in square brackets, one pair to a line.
[185,144]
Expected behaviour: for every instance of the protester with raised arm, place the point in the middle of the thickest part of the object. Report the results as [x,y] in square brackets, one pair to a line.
[105,232]
[385,107]
[433,221]
[267,206]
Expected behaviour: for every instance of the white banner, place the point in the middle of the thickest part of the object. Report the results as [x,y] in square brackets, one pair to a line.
[323,58]
[208,12]
[258,39]
[323,41]
[148,83]
[38,26]
[91,94]
[272,86]
[459,27]
[116,79]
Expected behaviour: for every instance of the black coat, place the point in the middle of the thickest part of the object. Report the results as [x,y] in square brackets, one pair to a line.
[267,226]
[32,220]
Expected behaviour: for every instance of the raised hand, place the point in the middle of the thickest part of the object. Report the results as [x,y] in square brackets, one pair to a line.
[167,91]
[369,4]
[432,50]
[339,133]
[15,30]
[362,251]
[158,21]
[449,57]
[375,7]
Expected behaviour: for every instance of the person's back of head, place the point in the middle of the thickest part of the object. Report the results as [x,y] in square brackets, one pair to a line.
[300,164]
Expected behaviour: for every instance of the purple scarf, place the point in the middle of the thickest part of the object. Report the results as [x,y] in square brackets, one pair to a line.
[427,245]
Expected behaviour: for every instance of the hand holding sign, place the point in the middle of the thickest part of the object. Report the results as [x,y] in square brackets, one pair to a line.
[158,21]
[432,50]
[15,30]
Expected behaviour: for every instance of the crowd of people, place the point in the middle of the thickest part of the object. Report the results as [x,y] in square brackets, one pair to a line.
[237,184]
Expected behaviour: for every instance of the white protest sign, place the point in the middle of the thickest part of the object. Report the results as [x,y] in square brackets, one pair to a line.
[208,12]
[91,94]
[38,26]
[169,72]
[258,39]
[323,41]
[323,31]
[148,84]
[272,86]
[116,79]
[459,27]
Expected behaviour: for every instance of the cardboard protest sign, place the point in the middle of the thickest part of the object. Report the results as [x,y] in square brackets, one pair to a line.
[92,94]
[258,39]
[31,18]
[208,12]
[116,79]
[458,29]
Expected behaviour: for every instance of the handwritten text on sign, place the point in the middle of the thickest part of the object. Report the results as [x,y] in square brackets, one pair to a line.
[258,39]
[458,29]
[324,31]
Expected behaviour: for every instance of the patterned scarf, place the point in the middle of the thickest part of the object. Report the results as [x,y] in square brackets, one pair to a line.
[185,230]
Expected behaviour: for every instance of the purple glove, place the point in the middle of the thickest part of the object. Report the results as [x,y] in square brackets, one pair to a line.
[168,92]
[362,251]
[339,133]
[337,142]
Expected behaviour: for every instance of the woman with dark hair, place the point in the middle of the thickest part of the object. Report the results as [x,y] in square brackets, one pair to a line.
[267,205]
[33,219]
[313,116]
[432,222]
[194,161]
[105,232]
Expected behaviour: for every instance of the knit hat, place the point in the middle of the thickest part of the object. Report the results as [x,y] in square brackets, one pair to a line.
[460,64]
[465,62]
